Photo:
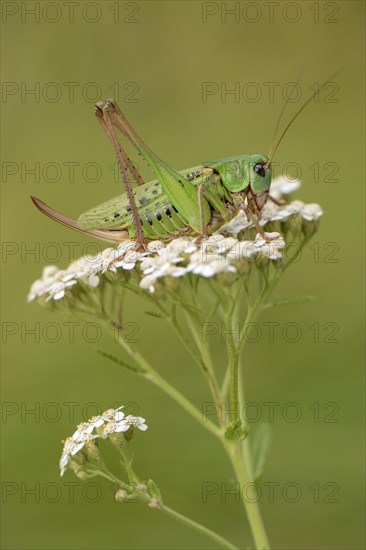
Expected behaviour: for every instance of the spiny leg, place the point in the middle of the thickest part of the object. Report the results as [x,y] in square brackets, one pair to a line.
[104,112]
[135,174]
[133,170]
[121,122]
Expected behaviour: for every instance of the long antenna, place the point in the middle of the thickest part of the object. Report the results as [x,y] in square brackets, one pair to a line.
[272,153]
[284,106]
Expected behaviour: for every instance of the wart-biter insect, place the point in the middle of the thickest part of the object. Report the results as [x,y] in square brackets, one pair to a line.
[196,201]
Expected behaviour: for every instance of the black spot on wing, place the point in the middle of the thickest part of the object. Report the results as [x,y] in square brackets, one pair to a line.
[149,219]
[116,215]
[168,212]
[143,200]
[158,216]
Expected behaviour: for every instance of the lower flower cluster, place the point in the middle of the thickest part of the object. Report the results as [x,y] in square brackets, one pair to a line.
[80,447]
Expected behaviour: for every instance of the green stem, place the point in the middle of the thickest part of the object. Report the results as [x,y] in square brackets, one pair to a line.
[127,464]
[234,380]
[225,385]
[230,336]
[240,455]
[247,451]
[206,359]
[223,543]
[249,496]
[145,497]
[107,474]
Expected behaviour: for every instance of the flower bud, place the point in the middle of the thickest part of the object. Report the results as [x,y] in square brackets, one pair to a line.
[121,495]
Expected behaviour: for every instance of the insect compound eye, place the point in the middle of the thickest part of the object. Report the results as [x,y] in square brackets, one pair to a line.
[258,169]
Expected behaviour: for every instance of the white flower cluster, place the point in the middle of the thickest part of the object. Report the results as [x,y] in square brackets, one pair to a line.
[220,253]
[55,282]
[217,254]
[102,426]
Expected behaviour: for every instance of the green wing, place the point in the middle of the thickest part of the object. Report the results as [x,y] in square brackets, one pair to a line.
[117,211]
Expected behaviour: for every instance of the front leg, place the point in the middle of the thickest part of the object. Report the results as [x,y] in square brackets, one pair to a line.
[251,217]
[201,210]
[255,220]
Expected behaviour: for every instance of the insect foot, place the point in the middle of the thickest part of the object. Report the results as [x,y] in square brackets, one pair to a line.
[131,252]
[141,246]
[110,105]
[279,202]
[99,108]
[201,237]
[269,236]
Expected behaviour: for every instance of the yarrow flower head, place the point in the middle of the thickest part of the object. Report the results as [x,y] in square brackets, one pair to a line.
[80,452]
[235,249]
[136,422]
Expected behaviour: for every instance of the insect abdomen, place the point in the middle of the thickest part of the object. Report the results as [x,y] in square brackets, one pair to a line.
[163,222]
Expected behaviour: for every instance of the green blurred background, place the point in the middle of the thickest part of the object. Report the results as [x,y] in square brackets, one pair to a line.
[155,57]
